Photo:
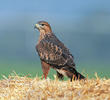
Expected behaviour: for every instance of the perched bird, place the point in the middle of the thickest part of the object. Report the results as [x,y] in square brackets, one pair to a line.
[54,54]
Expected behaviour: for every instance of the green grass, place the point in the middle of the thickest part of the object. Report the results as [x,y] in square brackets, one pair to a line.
[23,68]
[34,68]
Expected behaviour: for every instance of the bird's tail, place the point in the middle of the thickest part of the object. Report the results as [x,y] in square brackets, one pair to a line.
[73,74]
[80,76]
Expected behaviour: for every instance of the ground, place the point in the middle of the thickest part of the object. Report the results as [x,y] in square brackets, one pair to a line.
[15,87]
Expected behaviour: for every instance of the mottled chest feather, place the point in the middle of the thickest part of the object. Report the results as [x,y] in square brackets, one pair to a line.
[44,35]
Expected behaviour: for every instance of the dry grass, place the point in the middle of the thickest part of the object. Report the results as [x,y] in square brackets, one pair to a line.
[24,88]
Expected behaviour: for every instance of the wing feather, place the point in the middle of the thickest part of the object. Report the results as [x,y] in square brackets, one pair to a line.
[53,52]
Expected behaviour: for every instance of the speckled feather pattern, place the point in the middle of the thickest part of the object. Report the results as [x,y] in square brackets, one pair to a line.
[52,51]
[54,54]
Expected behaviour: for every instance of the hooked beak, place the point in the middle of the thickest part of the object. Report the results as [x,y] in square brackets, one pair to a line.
[37,26]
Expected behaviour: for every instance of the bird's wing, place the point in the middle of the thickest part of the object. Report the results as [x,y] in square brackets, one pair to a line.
[54,53]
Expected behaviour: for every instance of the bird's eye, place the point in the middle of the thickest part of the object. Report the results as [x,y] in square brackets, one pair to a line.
[42,24]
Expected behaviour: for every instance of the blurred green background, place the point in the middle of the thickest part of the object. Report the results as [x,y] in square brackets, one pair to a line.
[83,26]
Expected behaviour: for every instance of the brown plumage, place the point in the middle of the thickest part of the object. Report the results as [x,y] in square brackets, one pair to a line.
[54,54]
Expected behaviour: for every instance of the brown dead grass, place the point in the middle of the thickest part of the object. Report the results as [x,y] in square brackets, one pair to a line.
[24,88]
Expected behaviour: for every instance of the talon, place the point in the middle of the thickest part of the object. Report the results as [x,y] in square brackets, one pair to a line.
[45,75]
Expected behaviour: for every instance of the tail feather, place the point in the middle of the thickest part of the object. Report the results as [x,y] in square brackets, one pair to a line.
[73,73]
[77,76]
[80,76]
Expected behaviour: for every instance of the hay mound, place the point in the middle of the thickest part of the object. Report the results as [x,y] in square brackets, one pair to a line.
[24,88]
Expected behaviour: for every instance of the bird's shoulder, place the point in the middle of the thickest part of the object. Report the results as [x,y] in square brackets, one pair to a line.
[49,43]
[52,41]
[53,51]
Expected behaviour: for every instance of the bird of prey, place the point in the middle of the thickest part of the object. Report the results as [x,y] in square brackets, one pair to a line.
[54,54]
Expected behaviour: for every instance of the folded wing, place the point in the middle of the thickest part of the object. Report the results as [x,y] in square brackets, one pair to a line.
[53,52]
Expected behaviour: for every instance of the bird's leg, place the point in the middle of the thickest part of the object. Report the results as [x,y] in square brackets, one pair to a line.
[42,77]
[45,72]
[45,69]
[60,76]
[45,75]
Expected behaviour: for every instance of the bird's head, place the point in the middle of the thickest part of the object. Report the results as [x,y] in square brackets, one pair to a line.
[43,27]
